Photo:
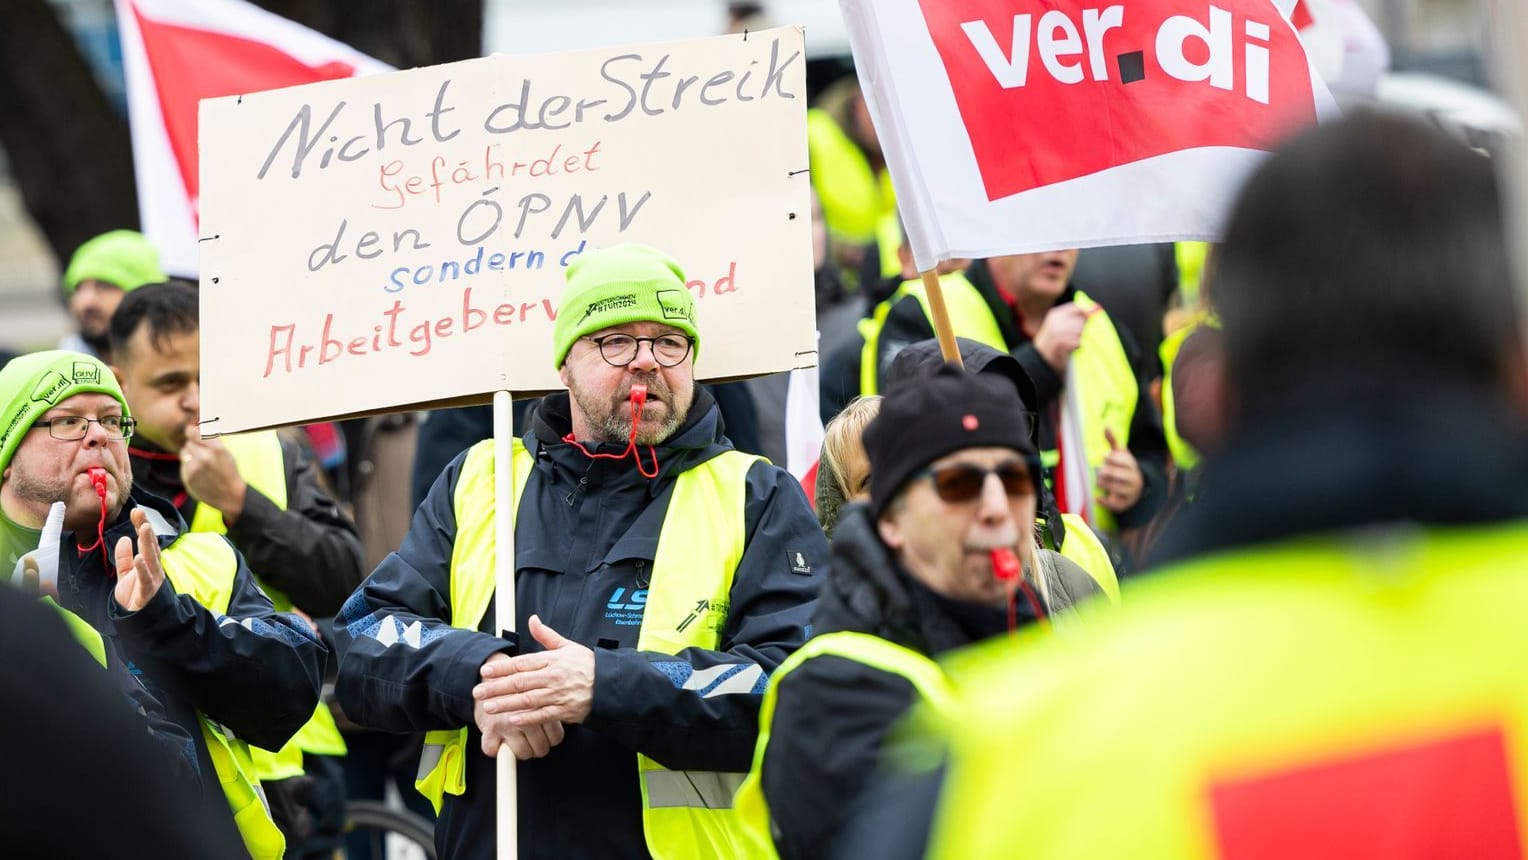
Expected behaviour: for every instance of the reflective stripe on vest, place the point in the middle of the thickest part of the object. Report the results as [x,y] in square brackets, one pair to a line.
[685,814]
[854,199]
[1106,389]
[930,681]
[263,467]
[970,317]
[204,566]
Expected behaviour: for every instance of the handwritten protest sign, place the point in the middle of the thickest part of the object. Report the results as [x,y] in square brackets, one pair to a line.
[400,239]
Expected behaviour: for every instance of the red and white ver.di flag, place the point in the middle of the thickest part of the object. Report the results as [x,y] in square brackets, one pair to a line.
[1013,126]
[177,52]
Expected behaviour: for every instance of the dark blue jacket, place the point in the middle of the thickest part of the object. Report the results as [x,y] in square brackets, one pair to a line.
[585,536]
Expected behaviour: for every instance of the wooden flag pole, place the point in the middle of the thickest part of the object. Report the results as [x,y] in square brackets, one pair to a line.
[942,328]
[506,771]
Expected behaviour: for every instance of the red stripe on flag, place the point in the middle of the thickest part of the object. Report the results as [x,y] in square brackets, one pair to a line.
[189,64]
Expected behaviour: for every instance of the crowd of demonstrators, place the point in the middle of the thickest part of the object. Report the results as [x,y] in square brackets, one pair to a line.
[661,576]
[1309,673]
[263,492]
[666,575]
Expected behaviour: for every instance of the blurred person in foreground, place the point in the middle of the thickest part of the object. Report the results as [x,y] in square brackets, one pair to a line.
[1326,668]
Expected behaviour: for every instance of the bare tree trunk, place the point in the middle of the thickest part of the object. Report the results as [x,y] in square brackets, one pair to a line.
[69,148]
[402,33]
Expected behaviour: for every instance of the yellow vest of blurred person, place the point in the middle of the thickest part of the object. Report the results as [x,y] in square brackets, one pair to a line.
[686,815]
[1352,696]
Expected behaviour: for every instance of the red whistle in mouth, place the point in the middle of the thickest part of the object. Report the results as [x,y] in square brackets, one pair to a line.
[97,477]
[638,394]
[1005,565]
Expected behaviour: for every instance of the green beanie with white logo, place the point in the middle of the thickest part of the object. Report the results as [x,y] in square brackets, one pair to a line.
[32,384]
[618,285]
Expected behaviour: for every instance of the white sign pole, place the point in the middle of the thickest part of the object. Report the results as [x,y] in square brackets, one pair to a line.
[508,829]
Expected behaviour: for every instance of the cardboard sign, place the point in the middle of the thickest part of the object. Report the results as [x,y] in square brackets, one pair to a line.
[399,240]
[1012,126]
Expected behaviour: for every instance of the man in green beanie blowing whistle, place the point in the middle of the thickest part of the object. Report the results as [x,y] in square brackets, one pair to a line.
[660,577]
[183,608]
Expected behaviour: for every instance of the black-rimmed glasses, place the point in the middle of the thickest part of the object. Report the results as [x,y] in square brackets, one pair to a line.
[72,428]
[619,350]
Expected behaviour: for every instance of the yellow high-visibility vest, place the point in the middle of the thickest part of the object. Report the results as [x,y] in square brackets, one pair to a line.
[204,566]
[262,466]
[969,317]
[1353,689]
[923,673]
[686,815]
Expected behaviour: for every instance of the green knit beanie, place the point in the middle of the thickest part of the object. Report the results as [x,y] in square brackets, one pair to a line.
[619,285]
[122,257]
[34,383]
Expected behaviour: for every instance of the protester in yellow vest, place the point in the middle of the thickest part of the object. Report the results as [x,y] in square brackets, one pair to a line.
[1326,667]
[661,576]
[264,493]
[851,180]
[183,608]
[1088,374]
[954,478]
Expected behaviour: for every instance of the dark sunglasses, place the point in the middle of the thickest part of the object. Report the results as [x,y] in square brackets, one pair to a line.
[963,482]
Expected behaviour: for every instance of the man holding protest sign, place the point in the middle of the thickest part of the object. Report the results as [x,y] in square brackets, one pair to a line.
[263,492]
[661,576]
[182,607]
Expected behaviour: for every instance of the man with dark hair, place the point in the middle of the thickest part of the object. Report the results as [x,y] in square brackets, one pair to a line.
[263,492]
[1327,668]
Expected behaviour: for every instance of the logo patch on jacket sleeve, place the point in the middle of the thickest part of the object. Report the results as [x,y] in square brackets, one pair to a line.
[799,564]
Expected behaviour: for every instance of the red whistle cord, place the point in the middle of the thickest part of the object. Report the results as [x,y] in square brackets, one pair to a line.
[98,480]
[638,399]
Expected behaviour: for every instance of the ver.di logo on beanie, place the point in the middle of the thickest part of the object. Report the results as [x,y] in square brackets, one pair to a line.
[32,384]
[622,284]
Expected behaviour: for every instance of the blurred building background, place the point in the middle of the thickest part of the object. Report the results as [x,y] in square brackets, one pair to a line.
[1440,46]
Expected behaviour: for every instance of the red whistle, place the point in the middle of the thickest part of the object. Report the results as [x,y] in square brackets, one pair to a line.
[639,394]
[1005,565]
[97,477]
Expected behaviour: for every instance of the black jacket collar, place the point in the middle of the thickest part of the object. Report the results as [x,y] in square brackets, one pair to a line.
[1357,452]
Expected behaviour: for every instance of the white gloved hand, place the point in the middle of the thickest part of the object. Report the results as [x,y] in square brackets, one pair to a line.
[42,563]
